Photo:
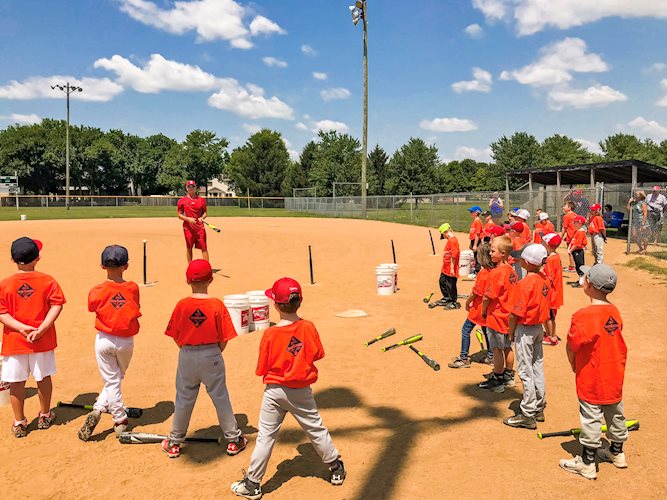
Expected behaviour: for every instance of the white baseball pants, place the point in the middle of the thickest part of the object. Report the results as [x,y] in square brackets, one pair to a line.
[278,400]
[597,247]
[529,354]
[113,358]
[591,423]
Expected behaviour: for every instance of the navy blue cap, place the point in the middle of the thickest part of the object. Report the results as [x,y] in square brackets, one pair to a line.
[25,250]
[115,256]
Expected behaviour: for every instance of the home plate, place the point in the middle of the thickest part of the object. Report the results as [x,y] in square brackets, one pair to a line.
[352,313]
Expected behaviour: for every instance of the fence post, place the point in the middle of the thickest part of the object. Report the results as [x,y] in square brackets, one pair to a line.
[47,201]
[116,200]
[410,202]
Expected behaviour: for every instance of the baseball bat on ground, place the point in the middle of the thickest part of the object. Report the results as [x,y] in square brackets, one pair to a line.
[386,334]
[428,298]
[410,340]
[479,334]
[632,425]
[131,412]
[430,362]
[147,438]
[215,228]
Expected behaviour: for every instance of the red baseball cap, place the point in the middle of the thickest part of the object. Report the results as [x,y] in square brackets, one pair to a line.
[552,239]
[517,226]
[596,206]
[580,219]
[497,231]
[199,270]
[190,183]
[282,289]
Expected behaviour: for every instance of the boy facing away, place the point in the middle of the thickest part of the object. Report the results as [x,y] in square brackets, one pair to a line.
[554,274]
[568,230]
[30,303]
[287,355]
[201,327]
[597,353]
[449,272]
[115,303]
[576,249]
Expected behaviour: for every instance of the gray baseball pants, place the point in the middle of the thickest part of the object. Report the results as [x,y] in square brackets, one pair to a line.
[529,354]
[278,400]
[202,364]
[597,248]
[591,423]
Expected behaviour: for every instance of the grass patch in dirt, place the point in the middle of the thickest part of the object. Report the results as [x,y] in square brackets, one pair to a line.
[646,265]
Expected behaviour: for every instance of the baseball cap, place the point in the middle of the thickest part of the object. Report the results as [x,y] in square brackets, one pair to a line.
[115,256]
[531,253]
[601,276]
[444,228]
[656,188]
[190,183]
[199,270]
[475,208]
[486,213]
[524,214]
[580,219]
[552,239]
[497,231]
[517,226]
[544,216]
[25,250]
[282,289]
[596,206]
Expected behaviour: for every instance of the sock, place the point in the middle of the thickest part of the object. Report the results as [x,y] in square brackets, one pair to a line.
[589,455]
[616,448]
[509,373]
[48,414]
[17,422]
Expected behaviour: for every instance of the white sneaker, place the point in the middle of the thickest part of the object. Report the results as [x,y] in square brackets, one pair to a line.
[577,466]
[606,455]
[120,427]
[472,276]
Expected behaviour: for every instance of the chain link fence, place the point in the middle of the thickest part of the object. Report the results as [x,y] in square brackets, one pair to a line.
[28,201]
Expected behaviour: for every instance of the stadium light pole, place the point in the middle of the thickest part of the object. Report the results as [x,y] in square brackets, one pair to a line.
[358,11]
[68,89]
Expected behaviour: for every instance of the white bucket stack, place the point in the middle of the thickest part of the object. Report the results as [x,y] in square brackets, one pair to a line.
[238,306]
[466,260]
[259,310]
[4,389]
[386,279]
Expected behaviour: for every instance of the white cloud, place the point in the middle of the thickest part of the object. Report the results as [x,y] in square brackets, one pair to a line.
[301,126]
[308,50]
[335,93]
[39,87]
[248,101]
[532,16]
[21,119]
[559,60]
[481,83]
[210,19]
[465,152]
[595,96]
[662,102]
[329,125]
[293,153]
[251,128]
[448,125]
[650,129]
[272,61]
[319,76]
[654,68]
[591,146]
[474,31]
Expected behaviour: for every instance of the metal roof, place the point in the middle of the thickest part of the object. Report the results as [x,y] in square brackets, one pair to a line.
[614,172]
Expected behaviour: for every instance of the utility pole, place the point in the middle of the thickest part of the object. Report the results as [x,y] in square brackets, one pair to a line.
[68,89]
[359,10]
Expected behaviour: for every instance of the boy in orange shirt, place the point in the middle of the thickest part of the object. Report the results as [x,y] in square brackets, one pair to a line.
[598,233]
[568,230]
[30,303]
[475,235]
[496,305]
[201,327]
[516,235]
[450,269]
[597,353]
[523,216]
[115,303]
[287,356]
[542,226]
[488,226]
[554,273]
[576,249]
[530,309]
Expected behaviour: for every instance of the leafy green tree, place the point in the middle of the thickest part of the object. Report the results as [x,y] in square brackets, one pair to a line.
[307,157]
[559,150]
[294,178]
[413,169]
[377,170]
[336,159]
[516,152]
[104,168]
[147,163]
[621,147]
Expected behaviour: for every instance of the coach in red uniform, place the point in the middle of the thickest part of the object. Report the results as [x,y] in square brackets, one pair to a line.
[192,211]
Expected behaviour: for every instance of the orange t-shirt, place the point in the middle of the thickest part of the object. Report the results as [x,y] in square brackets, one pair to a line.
[200,321]
[476,229]
[541,228]
[579,240]
[287,354]
[500,285]
[116,308]
[568,218]
[531,300]
[486,232]
[525,235]
[554,274]
[596,339]
[475,313]
[28,297]
[450,258]
[596,225]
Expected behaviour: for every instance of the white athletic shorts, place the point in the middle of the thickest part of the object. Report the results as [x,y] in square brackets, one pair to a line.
[18,367]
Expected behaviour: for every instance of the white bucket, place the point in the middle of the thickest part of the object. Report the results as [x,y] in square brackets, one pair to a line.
[259,310]
[239,309]
[384,280]
[24,217]
[465,262]
[4,390]
[394,268]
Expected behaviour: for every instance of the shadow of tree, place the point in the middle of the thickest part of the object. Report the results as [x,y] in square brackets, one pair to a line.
[306,464]
[206,454]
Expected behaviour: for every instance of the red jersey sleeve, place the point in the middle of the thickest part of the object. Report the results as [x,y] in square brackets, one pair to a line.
[174,321]
[494,283]
[319,349]
[263,359]
[3,304]
[577,337]
[55,295]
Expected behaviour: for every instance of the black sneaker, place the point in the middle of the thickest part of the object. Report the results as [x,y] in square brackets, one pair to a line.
[494,384]
[338,473]
[508,378]
[539,416]
[521,420]
[457,305]
[452,305]
[246,488]
[487,376]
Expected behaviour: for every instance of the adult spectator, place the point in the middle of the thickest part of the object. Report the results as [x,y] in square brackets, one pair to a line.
[656,212]
[639,228]
[496,207]
[581,203]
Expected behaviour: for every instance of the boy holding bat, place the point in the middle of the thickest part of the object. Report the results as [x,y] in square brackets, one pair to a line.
[287,355]
[597,353]
[449,273]
[115,303]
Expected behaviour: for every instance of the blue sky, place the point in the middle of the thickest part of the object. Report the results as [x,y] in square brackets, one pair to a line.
[457,73]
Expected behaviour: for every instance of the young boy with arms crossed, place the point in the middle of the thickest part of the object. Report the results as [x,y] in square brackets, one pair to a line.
[576,249]
[597,353]
[496,306]
[30,303]
[201,327]
[554,273]
[530,309]
[598,233]
[450,269]
[115,303]
[568,230]
[287,355]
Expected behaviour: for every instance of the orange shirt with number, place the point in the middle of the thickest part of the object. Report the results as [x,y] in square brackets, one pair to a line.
[475,312]
[27,297]
[450,258]
[596,339]
[531,300]
[554,274]
[500,285]
[287,354]
[200,321]
[476,229]
[116,307]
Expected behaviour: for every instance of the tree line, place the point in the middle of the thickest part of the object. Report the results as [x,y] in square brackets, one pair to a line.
[116,163]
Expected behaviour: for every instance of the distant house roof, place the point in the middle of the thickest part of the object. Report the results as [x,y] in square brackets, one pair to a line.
[613,172]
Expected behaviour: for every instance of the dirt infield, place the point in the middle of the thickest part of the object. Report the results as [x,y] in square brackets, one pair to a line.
[404,430]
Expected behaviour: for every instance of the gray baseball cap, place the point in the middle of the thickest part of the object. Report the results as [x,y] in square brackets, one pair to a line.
[601,276]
